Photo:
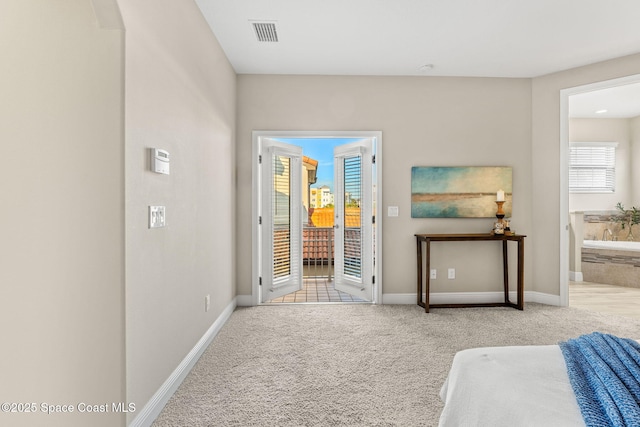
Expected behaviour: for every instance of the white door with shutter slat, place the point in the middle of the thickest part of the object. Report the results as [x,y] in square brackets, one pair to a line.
[353,222]
[281,227]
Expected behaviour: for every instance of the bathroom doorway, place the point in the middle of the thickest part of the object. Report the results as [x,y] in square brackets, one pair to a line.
[600,114]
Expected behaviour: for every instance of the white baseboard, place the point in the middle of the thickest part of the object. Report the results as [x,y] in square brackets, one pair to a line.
[398,298]
[154,406]
[541,298]
[448,298]
[245,300]
[471,298]
[575,276]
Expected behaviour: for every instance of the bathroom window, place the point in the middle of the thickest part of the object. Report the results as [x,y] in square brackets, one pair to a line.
[592,167]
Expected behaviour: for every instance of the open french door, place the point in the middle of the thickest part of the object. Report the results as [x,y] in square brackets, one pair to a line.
[281,219]
[353,222]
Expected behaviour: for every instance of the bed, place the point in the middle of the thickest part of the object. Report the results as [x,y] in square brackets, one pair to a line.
[519,386]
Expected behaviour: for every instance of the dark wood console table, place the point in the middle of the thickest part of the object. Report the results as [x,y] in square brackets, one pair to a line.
[428,238]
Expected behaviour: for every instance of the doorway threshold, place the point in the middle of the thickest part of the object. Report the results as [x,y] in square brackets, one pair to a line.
[317,290]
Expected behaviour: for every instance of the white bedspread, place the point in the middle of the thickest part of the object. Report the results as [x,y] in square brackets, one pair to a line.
[509,386]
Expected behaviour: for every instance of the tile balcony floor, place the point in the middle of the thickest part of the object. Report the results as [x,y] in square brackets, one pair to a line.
[317,289]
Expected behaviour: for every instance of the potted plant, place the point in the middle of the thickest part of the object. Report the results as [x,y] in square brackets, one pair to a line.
[628,218]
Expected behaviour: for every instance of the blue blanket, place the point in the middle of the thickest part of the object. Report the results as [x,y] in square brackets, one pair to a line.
[604,371]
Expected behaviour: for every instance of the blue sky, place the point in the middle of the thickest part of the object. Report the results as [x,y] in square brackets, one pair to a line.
[320,149]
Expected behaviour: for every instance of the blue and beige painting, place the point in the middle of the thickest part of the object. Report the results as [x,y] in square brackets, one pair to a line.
[459,192]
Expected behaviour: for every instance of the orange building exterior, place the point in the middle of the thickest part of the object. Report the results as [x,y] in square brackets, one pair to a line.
[323,217]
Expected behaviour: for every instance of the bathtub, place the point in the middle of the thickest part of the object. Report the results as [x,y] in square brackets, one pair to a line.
[618,245]
[611,262]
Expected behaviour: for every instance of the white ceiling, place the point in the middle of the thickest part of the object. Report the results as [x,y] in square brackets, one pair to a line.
[488,38]
[619,102]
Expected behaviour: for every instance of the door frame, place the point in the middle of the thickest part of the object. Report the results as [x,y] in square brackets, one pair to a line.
[565,94]
[255,200]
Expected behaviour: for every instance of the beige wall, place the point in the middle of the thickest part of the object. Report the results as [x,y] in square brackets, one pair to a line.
[545,156]
[604,130]
[424,122]
[180,96]
[64,194]
[62,210]
[635,161]
[67,236]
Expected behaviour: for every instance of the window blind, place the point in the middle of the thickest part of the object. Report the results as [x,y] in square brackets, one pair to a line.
[592,167]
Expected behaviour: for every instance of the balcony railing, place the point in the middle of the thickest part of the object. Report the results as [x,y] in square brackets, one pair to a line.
[318,251]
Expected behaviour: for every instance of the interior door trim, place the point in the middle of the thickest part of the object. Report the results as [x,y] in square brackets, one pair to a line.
[257,135]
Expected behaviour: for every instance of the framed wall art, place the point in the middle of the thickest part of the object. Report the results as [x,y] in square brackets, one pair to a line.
[459,192]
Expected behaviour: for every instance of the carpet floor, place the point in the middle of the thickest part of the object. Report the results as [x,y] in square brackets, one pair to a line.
[354,365]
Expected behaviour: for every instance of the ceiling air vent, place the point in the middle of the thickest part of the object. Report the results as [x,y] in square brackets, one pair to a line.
[265,31]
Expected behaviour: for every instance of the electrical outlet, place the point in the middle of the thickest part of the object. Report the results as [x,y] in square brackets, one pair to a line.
[207,303]
[452,273]
[434,274]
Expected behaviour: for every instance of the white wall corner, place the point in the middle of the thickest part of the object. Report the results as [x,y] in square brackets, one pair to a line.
[541,298]
[245,300]
[108,14]
[576,276]
[154,406]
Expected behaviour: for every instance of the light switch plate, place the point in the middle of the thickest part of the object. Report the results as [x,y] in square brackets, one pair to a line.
[157,217]
[392,211]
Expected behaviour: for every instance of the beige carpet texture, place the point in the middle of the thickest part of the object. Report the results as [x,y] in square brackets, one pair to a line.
[354,365]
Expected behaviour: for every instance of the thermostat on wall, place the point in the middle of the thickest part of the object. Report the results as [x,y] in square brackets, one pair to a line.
[160,161]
